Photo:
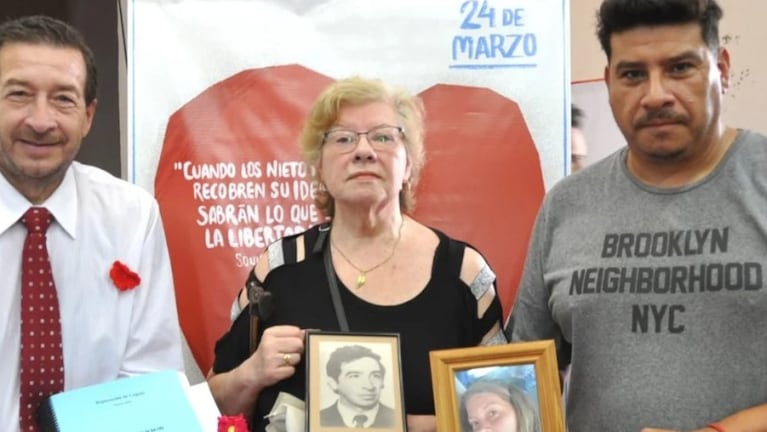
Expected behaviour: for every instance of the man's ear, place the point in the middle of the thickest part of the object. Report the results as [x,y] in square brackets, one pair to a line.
[333,384]
[723,64]
[90,112]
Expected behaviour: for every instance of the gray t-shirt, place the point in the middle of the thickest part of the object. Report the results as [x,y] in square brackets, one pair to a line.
[660,292]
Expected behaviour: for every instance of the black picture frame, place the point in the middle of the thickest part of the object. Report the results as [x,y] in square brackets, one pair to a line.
[377,365]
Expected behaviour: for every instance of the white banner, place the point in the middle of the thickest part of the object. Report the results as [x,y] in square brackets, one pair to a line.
[218,90]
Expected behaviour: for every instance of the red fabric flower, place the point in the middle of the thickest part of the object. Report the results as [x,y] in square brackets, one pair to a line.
[232,424]
[123,277]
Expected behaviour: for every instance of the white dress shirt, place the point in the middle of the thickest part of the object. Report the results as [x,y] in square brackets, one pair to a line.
[106,333]
[348,413]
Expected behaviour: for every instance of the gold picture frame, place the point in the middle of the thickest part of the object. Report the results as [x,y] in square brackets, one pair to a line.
[354,377]
[526,371]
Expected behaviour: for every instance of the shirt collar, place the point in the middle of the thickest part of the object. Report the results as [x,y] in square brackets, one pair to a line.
[62,204]
[348,413]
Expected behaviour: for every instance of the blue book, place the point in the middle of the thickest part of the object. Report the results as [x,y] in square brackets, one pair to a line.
[154,402]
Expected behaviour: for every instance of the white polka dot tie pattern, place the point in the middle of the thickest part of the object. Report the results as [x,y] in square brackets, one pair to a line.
[42,364]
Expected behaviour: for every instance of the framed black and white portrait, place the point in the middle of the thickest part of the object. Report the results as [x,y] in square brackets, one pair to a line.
[354,381]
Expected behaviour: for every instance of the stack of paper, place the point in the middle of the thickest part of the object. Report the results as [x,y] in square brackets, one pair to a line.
[159,401]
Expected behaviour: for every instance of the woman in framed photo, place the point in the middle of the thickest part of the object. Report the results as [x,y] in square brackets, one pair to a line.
[494,405]
[364,142]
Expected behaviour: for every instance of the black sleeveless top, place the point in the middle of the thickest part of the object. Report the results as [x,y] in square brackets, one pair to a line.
[443,315]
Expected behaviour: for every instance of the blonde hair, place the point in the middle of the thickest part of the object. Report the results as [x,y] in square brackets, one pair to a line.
[357,91]
[525,409]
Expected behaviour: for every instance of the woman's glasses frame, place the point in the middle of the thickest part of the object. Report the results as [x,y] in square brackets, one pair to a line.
[380,138]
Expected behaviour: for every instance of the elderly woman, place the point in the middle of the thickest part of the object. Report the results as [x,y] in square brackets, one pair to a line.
[497,406]
[394,274]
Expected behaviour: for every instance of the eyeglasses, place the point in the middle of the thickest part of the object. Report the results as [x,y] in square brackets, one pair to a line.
[380,138]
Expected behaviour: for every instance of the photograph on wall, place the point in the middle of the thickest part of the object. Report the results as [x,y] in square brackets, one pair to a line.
[354,381]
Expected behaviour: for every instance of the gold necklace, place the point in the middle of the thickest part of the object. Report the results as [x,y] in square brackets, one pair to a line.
[362,276]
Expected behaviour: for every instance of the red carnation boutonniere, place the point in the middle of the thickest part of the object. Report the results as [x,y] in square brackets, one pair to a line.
[232,424]
[123,277]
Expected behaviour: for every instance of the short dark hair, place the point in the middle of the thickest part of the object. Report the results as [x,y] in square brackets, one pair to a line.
[576,116]
[616,16]
[349,353]
[42,29]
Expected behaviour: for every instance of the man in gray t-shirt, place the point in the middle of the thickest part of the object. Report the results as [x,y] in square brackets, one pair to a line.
[648,268]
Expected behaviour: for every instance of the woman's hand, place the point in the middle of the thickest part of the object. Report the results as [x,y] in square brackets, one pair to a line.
[278,353]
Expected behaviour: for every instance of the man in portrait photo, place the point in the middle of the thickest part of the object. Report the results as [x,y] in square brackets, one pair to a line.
[356,374]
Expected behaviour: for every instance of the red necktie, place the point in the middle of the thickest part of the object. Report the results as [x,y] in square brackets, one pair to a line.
[42,365]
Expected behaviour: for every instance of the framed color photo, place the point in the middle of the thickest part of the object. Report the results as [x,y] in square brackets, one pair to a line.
[512,387]
[354,381]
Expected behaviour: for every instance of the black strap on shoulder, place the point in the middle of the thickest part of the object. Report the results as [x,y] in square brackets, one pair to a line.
[260,307]
[335,292]
[261,304]
[289,250]
[454,254]
[322,236]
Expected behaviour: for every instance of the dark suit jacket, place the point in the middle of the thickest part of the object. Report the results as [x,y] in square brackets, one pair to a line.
[330,416]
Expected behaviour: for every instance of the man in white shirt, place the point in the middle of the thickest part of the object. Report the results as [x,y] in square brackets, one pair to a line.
[47,104]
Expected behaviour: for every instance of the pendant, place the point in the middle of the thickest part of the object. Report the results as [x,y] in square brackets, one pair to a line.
[361,279]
